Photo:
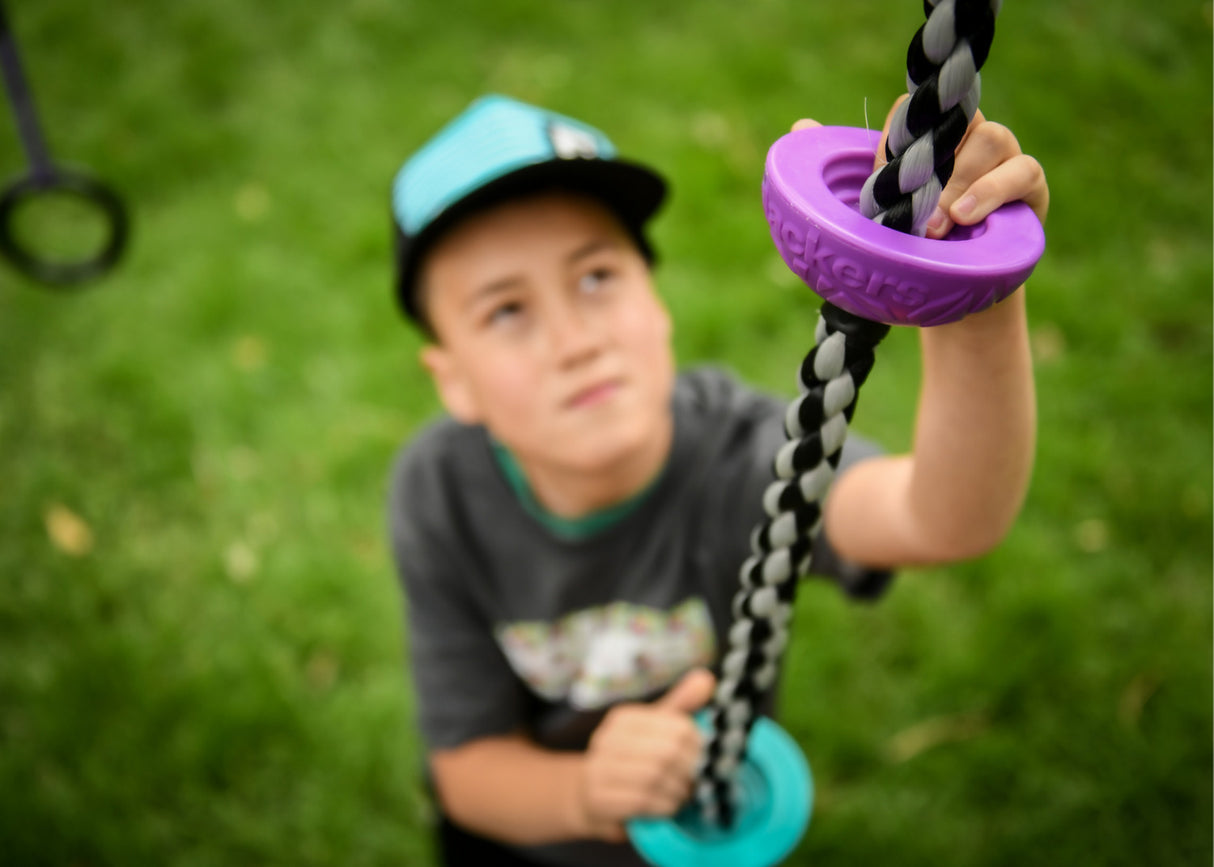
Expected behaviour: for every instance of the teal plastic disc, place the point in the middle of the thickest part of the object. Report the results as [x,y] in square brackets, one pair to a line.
[775,800]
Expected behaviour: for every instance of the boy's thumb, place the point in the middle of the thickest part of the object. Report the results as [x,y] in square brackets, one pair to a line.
[691,693]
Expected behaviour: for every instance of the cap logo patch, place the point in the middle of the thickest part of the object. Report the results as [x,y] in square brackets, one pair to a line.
[569,143]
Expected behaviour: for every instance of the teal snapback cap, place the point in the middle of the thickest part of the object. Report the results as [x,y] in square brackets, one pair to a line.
[499,148]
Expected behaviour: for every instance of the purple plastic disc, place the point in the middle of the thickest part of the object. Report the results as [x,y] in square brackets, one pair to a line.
[811,190]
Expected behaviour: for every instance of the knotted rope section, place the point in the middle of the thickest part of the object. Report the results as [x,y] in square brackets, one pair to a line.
[942,77]
[782,546]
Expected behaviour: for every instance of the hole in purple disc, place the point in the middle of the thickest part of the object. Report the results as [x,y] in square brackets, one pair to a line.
[845,173]
[965,233]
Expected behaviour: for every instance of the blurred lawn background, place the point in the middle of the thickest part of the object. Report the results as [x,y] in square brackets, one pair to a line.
[201,653]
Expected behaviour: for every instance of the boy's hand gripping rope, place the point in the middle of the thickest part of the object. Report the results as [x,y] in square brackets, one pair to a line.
[816,179]
[944,85]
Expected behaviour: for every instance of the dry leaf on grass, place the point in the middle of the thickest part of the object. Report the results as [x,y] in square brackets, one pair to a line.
[67,531]
[934,732]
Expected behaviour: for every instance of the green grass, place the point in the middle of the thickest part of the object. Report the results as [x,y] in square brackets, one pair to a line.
[208,670]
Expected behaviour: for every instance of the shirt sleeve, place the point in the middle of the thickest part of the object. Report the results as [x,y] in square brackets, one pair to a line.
[464,686]
[855,579]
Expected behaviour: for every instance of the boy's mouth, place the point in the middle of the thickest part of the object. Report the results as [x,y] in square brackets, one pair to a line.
[594,394]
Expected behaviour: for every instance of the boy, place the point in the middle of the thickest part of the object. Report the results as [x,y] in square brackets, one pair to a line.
[569,538]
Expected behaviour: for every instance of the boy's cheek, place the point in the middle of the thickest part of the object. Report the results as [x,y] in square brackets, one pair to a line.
[650,337]
[645,325]
[510,393]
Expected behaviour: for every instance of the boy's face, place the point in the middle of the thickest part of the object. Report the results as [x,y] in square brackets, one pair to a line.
[549,333]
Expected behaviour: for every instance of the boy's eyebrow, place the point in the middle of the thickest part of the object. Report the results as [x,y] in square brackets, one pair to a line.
[492,288]
[590,248]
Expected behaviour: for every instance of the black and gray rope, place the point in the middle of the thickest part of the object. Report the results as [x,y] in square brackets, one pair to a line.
[782,546]
[942,77]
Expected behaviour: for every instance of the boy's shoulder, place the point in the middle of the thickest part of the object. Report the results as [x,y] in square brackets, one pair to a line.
[717,386]
[439,437]
[443,456]
[718,394]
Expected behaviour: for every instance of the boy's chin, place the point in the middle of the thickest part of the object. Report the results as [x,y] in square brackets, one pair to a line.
[608,451]
[607,458]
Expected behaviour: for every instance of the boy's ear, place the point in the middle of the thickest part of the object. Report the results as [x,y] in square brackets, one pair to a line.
[452,385]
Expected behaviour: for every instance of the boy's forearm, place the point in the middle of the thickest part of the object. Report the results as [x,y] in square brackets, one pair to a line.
[958,493]
[977,427]
[511,790]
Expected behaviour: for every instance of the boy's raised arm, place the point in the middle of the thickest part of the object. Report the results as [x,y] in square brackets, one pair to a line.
[957,493]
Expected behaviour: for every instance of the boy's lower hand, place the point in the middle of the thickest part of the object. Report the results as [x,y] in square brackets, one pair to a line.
[642,758]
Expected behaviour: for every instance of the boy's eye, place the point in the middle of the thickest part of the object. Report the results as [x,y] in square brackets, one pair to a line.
[594,280]
[504,313]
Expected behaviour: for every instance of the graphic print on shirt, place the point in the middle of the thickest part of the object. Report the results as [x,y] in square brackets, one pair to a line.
[602,655]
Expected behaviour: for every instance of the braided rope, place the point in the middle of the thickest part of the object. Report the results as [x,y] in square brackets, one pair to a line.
[782,547]
[944,85]
[942,78]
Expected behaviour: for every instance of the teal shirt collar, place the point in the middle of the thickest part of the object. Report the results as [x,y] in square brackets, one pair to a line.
[569,529]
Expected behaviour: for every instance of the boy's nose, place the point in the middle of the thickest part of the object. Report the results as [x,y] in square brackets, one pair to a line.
[574,337]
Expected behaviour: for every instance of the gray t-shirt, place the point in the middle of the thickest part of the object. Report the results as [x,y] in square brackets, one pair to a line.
[515,624]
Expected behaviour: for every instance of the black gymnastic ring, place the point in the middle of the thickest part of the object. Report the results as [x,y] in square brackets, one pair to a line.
[61,273]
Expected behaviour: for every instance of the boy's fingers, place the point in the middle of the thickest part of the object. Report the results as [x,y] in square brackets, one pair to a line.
[1018,179]
[990,171]
[666,792]
[615,833]
[666,768]
[691,693]
[805,123]
[985,146]
[635,791]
